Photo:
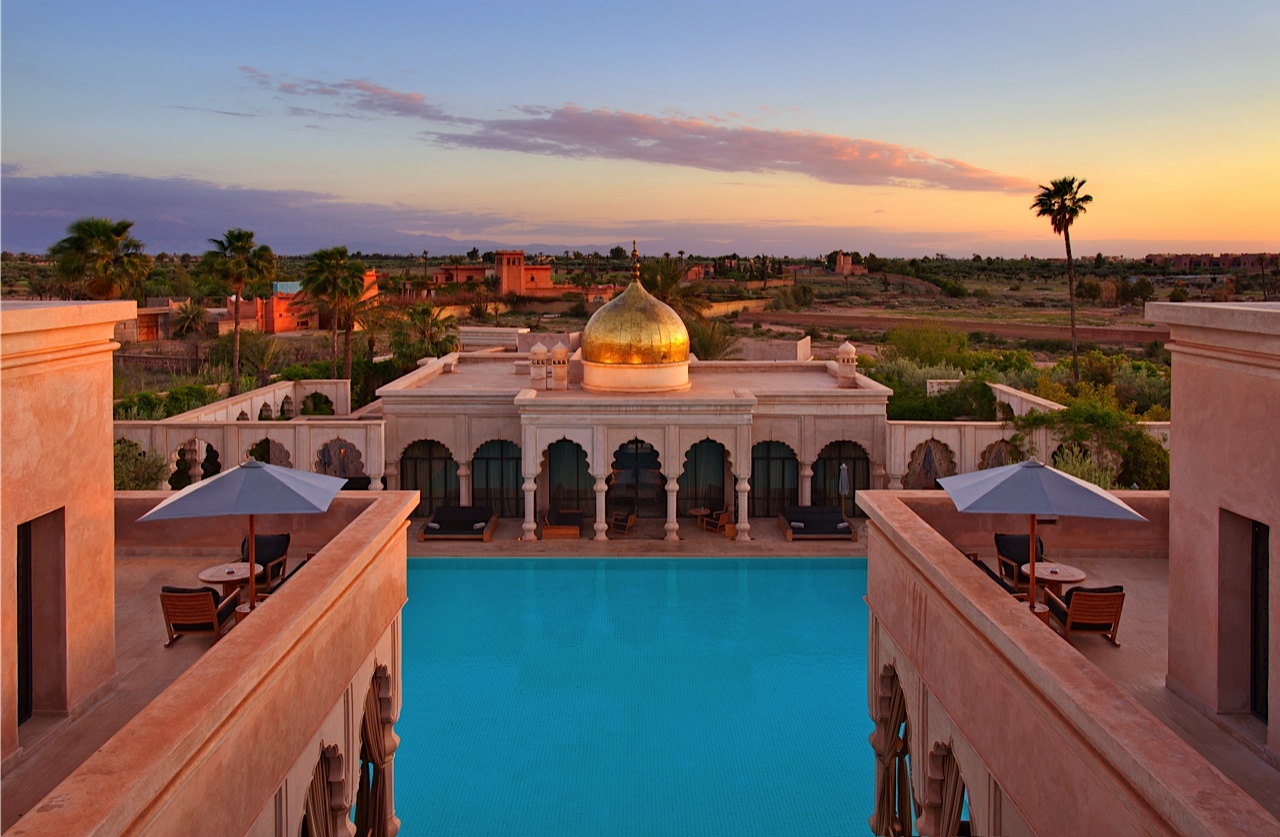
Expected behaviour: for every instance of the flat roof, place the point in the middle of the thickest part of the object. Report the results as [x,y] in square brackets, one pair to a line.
[1253,317]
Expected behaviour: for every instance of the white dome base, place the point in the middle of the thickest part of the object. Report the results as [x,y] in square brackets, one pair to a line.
[635,377]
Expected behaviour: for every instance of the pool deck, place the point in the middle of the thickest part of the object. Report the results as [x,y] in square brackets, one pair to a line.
[646,540]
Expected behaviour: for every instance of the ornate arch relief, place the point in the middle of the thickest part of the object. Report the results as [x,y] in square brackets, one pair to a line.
[930,461]
[943,793]
[997,454]
[276,453]
[325,806]
[339,458]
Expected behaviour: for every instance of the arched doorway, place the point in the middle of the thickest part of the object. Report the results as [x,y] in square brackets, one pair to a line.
[775,479]
[340,458]
[372,812]
[703,479]
[569,479]
[496,480]
[826,476]
[637,481]
[323,810]
[428,466]
[944,811]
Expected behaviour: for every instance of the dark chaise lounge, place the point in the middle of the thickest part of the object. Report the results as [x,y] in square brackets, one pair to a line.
[815,523]
[460,523]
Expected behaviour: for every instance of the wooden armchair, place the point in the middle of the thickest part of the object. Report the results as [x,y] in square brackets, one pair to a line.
[199,610]
[716,521]
[623,522]
[1086,610]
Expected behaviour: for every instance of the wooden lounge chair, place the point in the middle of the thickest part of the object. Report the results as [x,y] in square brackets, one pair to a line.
[1011,553]
[198,610]
[1087,610]
[562,523]
[716,521]
[1004,585]
[623,522]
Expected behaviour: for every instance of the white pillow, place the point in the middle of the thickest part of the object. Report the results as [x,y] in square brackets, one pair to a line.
[796,524]
[843,525]
[479,526]
[431,524]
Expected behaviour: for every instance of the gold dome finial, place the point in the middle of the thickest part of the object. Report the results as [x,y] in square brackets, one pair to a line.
[635,262]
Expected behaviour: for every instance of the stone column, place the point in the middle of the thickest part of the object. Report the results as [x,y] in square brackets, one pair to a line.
[672,526]
[743,525]
[806,485]
[602,525]
[464,483]
[392,472]
[530,520]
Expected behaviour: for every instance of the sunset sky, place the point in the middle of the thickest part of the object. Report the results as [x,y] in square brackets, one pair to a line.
[797,128]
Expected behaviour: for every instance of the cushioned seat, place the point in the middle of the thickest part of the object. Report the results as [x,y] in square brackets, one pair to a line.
[1004,585]
[196,610]
[1088,610]
[1012,552]
[271,551]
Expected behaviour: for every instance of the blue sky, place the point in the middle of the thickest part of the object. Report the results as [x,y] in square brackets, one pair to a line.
[907,128]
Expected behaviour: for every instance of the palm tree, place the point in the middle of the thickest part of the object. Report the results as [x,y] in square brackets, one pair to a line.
[713,341]
[664,278]
[425,331]
[1061,202]
[103,256]
[236,260]
[189,319]
[333,284]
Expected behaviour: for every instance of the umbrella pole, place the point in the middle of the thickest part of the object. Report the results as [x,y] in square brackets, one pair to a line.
[1031,596]
[252,559]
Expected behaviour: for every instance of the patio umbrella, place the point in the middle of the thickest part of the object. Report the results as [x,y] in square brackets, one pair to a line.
[843,485]
[251,488]
[1032,488]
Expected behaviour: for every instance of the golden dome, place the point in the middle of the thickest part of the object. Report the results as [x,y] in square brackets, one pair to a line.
[635,328]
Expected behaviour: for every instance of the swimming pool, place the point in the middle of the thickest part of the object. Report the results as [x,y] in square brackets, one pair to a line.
[634,696]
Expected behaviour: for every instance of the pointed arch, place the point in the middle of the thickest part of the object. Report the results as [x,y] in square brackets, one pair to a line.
[496,479]
[775,479]
[637,480]
[429,467]
[569,480]
[826,483]
[943,806]
[324,811]
[374,807]
[704,476]
[271,452]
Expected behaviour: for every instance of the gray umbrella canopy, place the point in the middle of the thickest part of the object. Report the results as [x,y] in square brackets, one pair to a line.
[251,489]
[1032,488]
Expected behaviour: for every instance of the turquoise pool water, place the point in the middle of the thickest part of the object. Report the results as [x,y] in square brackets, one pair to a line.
[634,697]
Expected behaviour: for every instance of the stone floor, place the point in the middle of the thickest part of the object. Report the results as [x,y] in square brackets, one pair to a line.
[1139,664]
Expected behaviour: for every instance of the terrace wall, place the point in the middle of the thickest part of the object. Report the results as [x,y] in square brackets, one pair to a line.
[1045,742]
[230,746]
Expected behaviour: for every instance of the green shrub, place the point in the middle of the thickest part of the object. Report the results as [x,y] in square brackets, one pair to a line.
[1145,464]
[184,397]
[135,469]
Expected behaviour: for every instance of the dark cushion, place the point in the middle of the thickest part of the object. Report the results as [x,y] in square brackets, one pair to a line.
[1015,547]
[815,520]
[1115,588]
[455,520]
[217,597]
[266,548]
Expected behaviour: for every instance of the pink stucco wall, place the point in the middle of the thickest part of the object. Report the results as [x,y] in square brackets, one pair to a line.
[1225,461]
[55,431]
[229,747]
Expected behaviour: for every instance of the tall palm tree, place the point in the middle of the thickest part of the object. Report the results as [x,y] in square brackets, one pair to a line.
[333,283]
[236,259]
[1061,202]
[425,331]
[104,257]
[664,278]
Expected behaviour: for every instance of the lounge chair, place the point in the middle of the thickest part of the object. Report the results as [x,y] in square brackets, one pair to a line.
[196,610]
[1012,553]
[460,523]
[1087,610]
[562,523]
[271,551]
[815,523]
[716,521]
[623,522]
